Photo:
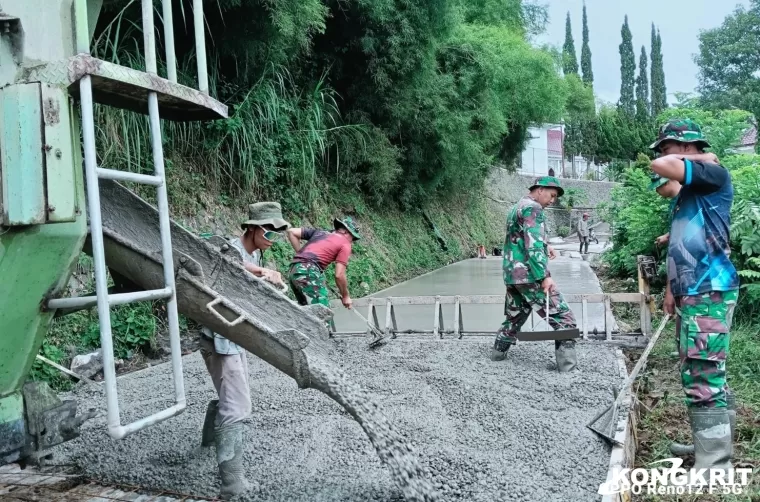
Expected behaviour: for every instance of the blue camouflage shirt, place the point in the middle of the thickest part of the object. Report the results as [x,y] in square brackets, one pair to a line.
[698,253]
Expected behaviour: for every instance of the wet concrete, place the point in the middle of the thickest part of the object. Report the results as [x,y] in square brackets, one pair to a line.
[478,277]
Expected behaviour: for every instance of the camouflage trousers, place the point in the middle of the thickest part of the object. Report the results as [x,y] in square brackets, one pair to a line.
[521,300]
[308,283]
[702,328]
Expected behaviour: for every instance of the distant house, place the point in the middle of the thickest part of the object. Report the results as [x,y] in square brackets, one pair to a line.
[543,154]
[748,141]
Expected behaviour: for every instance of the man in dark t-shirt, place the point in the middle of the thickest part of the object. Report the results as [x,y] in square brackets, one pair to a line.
[702,285]
[307,269]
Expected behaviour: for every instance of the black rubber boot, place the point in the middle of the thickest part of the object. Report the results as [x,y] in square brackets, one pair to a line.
[207,438]
[713,444]
[681,450]
[499,350]
[229,456]
[567,359]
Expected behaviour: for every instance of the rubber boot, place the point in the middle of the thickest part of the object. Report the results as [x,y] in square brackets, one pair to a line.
[713,444]
[681,450]
[567,359]
[229,456]
[207,438]
[499,350]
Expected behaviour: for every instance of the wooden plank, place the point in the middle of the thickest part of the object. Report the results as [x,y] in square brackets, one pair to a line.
[584,318]
[370,315]
[393,320]
[388,312]
[457,318]
[608,318]
[437,317]
[491,299]
[537,336]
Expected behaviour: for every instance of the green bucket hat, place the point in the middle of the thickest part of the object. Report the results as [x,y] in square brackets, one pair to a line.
[682,130]
[266,213]
[657,181]
[549,182]
[348,224]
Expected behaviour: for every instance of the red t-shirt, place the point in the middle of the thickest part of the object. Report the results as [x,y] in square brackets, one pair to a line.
[322,248]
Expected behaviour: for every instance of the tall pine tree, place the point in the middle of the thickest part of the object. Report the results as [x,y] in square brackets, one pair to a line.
[627,72]
[659,97]
[588,73]
[642,89]
[569,60]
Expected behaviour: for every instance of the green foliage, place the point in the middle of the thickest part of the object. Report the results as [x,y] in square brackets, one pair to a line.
[627,101]
[728,59]
[580,117]
[573,197]
[642,89]
[563,231]
[44,372]
[622,137]
[659,100]
[722,128]
[745,229]
[569,60]
[588,72]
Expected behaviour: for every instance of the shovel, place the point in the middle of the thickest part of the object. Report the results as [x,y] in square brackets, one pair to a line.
[378,336]
[604,424]
[560,334]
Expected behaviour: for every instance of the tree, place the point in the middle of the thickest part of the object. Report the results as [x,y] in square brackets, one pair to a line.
[663,94]
[627,101]
[728,60]
[722,128]
[588,73]
[642,89]
[579,111]
[569,60]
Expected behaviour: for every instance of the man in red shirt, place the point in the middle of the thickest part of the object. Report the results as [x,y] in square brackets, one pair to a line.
[307,269]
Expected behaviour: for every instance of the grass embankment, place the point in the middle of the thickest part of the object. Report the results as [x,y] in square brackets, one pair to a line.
[664,416]
[396,246]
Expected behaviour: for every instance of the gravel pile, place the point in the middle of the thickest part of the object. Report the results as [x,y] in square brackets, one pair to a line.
[508,431]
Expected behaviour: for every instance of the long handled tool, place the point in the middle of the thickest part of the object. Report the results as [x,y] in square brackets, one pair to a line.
[378,336]
[604,423]
[560,334]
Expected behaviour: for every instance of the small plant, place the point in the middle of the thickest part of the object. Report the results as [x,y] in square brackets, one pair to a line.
[563,231]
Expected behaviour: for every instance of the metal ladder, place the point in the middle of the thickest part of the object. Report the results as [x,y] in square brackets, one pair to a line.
[93,173]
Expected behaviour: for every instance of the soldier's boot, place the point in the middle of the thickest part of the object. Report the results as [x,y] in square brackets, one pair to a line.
[500,348]
[681,450]
[207,435]
[229,456]
[567,359]
[713,444]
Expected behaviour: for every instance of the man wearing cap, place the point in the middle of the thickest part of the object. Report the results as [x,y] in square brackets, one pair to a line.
[526,274]
[307,269]
[702,285]
[668,189]
[226,361]
[583,232]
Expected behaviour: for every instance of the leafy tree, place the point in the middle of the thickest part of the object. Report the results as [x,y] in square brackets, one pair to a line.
[659,94]
[642,89]
[569,60]
[728,60]
[588,72]
[627,71]
[579,112]
[722,128]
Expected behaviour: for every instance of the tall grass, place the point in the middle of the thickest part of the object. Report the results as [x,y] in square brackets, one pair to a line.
[279,133]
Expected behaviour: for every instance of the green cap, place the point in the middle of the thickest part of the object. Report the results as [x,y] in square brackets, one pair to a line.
[549,182]
[266,213]
[348,224]
[681,130]
[657,181]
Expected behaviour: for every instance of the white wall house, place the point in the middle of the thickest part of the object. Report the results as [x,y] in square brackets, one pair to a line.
[543,151]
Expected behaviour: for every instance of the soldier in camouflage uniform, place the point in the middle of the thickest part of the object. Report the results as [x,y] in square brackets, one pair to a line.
[702,285]
[527,276]
[321,249]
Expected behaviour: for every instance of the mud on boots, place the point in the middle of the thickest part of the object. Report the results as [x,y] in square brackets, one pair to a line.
[526,273]
[681,450]
[705,306]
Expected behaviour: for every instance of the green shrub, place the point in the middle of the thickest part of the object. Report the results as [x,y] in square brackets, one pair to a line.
[563,231]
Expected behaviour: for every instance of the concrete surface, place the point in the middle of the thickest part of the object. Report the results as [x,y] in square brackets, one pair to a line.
[478,277]
[508,431]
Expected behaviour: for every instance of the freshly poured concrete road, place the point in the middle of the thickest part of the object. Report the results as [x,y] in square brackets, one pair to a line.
[509,431]
[477,277]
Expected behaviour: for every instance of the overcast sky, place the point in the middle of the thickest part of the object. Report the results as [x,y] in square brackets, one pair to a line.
[679,24]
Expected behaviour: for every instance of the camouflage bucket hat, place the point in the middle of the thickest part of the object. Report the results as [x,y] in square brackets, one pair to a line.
[266,213]
[682,130]
[348,224]
[657,181]
[549,182]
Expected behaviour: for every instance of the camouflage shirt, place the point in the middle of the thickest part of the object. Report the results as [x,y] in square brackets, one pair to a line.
[526,259]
